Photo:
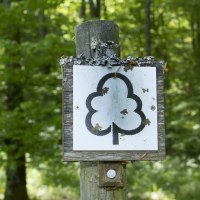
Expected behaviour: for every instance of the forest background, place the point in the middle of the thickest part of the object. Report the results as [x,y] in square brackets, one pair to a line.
[33,37]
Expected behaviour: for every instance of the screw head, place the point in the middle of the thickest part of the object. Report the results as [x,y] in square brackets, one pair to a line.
[77,107]
[153,108]
[111,173]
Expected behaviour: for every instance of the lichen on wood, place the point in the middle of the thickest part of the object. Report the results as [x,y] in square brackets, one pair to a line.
[108,61]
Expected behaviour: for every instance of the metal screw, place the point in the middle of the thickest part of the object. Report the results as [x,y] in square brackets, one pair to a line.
[77,107]
[153,108]
[111,173]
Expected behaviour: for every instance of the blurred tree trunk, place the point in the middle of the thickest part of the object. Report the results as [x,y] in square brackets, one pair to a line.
[6,2]
[16,162]
[15,169]
[104,9]
[95,8]
[42,28]
[195,27]
[82,10]
[147,28]
[16,177]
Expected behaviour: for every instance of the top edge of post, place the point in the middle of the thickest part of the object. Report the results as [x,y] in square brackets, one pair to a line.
[102,22]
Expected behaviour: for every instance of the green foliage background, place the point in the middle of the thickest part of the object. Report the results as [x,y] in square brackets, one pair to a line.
[35,34]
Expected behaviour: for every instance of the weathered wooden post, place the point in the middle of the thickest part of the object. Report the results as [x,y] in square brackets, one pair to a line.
[131,125]
[94,182]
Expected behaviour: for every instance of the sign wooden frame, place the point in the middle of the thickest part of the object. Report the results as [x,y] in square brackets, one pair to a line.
[67,103]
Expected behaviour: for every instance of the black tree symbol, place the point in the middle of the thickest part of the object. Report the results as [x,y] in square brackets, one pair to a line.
[116,129]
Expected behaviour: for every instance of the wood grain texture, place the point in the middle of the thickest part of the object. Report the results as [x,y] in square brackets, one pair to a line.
[70,155]
[99,30]
[90,182]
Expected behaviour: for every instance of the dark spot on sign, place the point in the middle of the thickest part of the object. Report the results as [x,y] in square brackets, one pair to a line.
[124,112]
[147,122]
[145,90]
[130,65]
[104,90]
[77,107]
[122,117]
[96,128]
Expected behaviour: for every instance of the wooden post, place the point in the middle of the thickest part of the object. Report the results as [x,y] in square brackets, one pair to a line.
[100,180]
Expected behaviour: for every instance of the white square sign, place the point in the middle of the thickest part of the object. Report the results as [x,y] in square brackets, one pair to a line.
[114,108]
